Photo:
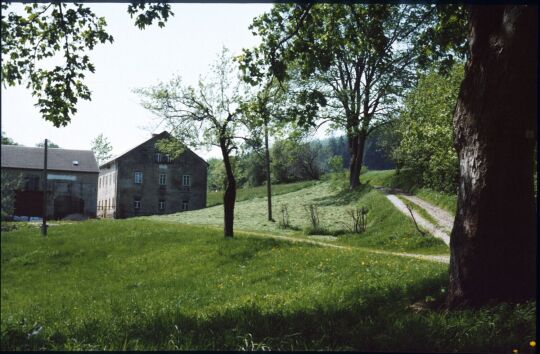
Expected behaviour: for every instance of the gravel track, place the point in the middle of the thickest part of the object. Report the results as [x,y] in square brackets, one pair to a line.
[436,231]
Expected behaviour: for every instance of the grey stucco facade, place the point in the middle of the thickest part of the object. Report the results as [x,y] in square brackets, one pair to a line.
[145,182]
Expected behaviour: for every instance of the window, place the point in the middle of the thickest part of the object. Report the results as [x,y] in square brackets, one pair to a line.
[162,158]
[162,179]
[99,182]
[185,205]
[137,204]
[186,180]
[161,205]
[138,177]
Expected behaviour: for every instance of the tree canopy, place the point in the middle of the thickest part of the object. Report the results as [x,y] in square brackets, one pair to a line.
[208,114]
[65,32]
[347,64]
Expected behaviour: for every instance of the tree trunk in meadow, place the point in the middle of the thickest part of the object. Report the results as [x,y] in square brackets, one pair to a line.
[493,241]
[357,142]
[229,198]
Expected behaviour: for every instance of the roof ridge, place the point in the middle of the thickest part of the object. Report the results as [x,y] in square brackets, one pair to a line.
[131,149]
[37,147]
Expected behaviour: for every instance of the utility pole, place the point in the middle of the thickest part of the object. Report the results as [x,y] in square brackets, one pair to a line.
[268,180]
[44,225]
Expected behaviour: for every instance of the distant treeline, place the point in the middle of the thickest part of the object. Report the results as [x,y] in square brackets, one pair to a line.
[294,160]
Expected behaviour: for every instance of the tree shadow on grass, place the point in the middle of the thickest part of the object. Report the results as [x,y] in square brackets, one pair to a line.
[365,319]
[343,197]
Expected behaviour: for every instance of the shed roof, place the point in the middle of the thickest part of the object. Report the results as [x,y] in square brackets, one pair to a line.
[14,156]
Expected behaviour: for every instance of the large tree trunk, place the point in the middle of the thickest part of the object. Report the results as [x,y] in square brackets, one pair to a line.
[493,242]
[229,198]
[357,142]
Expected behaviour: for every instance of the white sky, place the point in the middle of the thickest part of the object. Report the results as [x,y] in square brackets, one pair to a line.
[186,45]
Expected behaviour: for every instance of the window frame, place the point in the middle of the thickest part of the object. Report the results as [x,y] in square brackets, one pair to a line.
[135,174]
[184,181]
[164,175]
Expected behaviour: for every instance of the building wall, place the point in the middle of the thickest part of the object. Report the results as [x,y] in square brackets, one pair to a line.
[106,198]
[149,193]
[66,190]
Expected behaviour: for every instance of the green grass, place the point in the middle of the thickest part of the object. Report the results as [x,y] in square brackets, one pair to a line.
[407,182]
[216,198]
[137,284]
[387,228]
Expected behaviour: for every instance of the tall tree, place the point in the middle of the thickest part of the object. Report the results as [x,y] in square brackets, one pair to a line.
[351,62]
[102,148]
[264,109]
[493,242]
[209,114]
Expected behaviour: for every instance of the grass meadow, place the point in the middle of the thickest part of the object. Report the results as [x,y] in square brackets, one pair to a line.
[173,282]
[387,228]
[216,198]
[141,284]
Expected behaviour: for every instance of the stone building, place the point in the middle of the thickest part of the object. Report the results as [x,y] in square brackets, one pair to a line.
[144,181]
[72,177]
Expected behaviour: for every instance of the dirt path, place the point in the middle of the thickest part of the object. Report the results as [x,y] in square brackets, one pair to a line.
[433,258]
[443,218]
[436,231]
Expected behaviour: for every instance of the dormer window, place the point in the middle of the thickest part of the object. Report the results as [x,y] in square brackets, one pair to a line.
[75,163]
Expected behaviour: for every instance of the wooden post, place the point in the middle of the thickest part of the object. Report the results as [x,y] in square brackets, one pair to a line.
[268,180]
[44,225]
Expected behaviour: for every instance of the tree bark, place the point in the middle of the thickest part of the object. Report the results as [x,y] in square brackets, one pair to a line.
[493,241]
[357,142]
[229,198]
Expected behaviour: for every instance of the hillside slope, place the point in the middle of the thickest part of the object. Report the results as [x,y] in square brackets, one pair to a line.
[387,228]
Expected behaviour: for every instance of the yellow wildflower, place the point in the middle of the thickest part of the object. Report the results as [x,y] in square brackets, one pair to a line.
[514,351]
[532,343]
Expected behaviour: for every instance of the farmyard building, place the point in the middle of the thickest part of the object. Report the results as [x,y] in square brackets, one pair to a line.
[143,181]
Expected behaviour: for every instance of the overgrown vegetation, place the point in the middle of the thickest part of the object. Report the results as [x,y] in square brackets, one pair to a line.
[424,131]
[137,284]
[10,181]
